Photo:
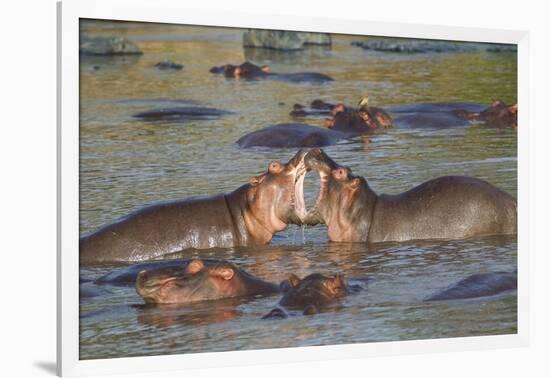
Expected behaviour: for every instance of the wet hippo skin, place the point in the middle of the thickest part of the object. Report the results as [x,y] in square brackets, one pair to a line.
[250,215]
[450,207]
[181,113]
[251,71]
[478,285]
[454,114]
[291,135]
[199,281]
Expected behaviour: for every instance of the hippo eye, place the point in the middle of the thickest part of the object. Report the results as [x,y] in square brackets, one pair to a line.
[275,167]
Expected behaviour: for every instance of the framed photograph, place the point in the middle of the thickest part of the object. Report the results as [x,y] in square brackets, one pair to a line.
[239,190]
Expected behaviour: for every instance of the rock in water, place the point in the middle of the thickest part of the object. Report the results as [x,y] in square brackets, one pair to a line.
[107,46]
[415,46]
[283,40]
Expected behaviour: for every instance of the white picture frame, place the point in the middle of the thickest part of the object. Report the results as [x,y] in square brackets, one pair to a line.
[166,11]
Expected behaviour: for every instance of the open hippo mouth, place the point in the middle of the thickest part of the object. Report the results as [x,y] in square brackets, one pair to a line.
[299,201]
[305,161]
[317,160]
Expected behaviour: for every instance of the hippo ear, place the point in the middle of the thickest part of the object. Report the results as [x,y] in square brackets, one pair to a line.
[255,180]
[224,272]
[339,281]
[354,184]
[194,266]
[265,69]
[337,284]
[293,280]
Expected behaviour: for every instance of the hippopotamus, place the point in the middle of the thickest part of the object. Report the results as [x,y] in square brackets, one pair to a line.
[361,120]
[455,114]
[312,294]
[498,115]
[251,71]
[181,113]
[250,215]
[450,207]
[286,135]
[199,281]
[478,285]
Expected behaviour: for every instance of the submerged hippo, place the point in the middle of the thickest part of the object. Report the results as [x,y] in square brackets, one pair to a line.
[498,115]
[250,215]
[286,135]
[312,294]
[363,119]
[455,114]
[360,120]
[168,65]
[199,281]
[478,285]
[251,71]
[451,207]
[181,113]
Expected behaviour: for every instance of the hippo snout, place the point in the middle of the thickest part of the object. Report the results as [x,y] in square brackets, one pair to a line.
[316,159]
[141,281]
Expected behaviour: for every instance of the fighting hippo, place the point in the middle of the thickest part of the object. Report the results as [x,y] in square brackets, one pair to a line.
[251,71]
[312,294]
[451,207]
[455,114]
[250,215]
[478,285]
[199,281]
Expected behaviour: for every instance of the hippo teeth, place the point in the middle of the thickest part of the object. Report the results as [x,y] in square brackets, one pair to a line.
[299,201]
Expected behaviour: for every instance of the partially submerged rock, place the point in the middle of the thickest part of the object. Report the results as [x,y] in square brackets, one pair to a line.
[283,39]
[412,45]
[107,46]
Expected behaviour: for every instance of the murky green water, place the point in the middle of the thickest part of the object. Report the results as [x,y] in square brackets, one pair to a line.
[126,163]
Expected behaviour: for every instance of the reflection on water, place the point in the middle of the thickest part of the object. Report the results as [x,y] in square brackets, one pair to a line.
[127,163]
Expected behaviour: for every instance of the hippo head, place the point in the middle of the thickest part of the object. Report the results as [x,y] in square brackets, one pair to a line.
[276,197]
[349,119]
[246,70]
[198,281]
[343,202]
[314,290]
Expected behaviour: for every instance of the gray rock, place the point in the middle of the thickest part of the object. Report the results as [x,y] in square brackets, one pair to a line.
[283,40]
[107,46]
[411,46]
